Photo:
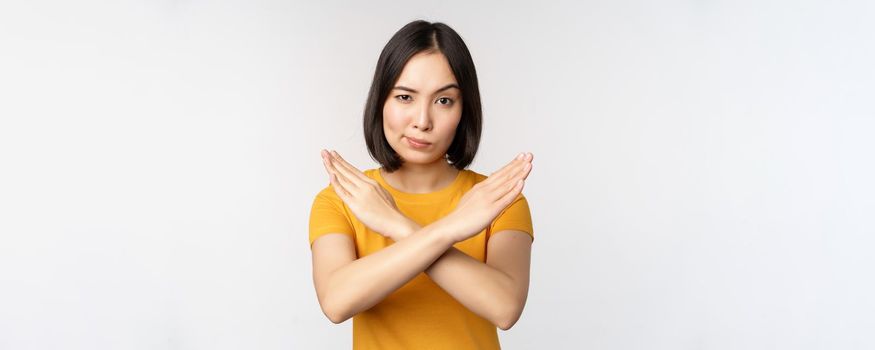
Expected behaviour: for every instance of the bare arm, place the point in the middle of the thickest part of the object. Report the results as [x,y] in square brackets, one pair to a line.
[346,286]
[496,290]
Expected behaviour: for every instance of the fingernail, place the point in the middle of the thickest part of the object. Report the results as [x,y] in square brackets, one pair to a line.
[520,156]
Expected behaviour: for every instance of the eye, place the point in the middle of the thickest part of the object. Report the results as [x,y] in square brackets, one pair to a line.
[445,101]
[404,98]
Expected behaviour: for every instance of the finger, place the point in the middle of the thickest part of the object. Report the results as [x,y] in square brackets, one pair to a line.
[507,174]
[515,189]
[495,178]
[345,173]
[524,172]
[497,191]
[339,189]
[350,170]
[325,165]
[341,178]
[508,165]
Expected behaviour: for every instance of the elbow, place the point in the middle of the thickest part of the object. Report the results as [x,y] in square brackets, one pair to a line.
[506,324]
[334,313]
[509,318]
[334,316]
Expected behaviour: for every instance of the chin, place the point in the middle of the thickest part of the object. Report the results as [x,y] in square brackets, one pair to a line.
[415,158]
[421,158]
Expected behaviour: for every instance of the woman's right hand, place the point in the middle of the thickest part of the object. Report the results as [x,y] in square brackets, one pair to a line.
[483,202]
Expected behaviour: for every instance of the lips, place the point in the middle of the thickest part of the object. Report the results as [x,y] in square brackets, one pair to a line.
[422,142]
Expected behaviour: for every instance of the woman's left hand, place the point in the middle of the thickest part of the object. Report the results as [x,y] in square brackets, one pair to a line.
[369,201]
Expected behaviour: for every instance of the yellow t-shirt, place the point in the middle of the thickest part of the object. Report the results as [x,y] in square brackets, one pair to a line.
[419,315]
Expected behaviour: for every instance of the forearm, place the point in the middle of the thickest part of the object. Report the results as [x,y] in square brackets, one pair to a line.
[483,289]
[363,283]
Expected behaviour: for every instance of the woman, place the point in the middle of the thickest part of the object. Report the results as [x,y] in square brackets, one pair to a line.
[421,252]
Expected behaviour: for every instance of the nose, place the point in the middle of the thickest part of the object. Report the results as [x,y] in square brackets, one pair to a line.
[422,121]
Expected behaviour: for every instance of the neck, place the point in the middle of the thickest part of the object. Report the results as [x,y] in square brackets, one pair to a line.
[421,178]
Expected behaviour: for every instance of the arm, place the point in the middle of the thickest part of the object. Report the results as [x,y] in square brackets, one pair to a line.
[504,278]
[496,290]
[346,286]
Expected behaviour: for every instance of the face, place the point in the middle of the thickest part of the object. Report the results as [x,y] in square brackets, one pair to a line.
[425,104]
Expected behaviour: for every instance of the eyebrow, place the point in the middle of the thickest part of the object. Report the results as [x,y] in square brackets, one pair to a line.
[448,86]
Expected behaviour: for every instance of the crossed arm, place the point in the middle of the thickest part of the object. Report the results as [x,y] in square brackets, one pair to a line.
[496,290]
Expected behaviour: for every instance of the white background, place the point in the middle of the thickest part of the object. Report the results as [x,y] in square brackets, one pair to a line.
[702,175]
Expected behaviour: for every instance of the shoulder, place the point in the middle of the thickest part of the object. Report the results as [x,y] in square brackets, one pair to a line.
[475,176]
[327,195]
[328,191]
[372,173]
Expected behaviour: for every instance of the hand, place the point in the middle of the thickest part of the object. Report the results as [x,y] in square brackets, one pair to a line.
[369,201]
[483,202]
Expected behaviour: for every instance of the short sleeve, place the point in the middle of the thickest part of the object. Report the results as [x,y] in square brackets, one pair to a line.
[327,215]
[515,217]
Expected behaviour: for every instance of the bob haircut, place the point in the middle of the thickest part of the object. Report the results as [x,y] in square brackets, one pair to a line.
[415,37]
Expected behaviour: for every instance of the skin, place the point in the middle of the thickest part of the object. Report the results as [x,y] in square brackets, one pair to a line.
[425,104]
[495,290]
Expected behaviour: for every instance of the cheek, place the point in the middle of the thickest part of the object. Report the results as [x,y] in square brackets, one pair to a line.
[393,119]
[392,111]
[450,122]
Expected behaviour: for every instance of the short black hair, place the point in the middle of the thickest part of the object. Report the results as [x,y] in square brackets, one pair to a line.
[415,37]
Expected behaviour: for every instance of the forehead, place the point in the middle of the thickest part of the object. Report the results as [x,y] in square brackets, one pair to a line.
[426,72]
